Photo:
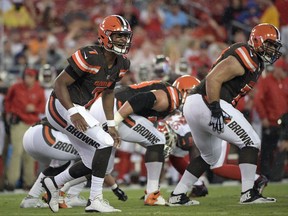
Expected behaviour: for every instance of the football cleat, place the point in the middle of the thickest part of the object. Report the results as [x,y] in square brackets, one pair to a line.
[74,200]
[154,199]
[52,193]
[120,194]
[253,197]
[199,191]
[260,183]
[100,205]
[181,200]
[32,202]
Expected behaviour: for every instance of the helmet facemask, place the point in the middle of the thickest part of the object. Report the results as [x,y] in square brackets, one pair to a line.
[120,47]
[270,51]
[265,40]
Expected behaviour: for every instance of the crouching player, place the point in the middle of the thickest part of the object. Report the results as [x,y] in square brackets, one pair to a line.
[49,146]
[183,145]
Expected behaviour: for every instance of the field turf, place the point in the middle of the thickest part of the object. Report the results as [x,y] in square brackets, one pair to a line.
[221,200]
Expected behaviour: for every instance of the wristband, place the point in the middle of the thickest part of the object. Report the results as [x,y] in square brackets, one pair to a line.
[72,111]
[214,105]
[111,123]
[118,118]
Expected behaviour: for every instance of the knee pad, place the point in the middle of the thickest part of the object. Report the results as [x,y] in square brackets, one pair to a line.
[248,155]
[154,153]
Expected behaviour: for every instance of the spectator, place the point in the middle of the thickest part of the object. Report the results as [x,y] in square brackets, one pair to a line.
[131,13]
[152,19]
[18,16]
[282,7]
[250,15]
[48,17]
[175,16]
[176,43]
[24,101]
[270,109]
[100,10]
[74,17]
[7,57]
[231,13]
[144,55]
[209,30]
[15,39]
[3,134]
[37,45]
[270,13]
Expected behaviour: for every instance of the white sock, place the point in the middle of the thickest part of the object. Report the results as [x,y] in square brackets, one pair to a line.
[75,190]
[153,175]
[74,182]
[247,175]
[37,188]
[198,182]
[114,186]
[96,188]
[62,178]
[185,183]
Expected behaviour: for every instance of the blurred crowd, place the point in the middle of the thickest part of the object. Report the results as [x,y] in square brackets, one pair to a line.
[170,38]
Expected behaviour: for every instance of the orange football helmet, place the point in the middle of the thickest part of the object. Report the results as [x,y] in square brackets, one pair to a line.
[265,40]
[115,24]
[184,84]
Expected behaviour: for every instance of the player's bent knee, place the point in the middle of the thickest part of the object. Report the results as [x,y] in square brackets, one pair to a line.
[107,140]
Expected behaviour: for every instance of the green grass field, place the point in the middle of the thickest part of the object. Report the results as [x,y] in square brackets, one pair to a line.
[222,200]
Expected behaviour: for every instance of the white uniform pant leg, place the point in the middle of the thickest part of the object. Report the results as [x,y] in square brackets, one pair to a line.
[86,142]
[45,144]
[137,129]
[238,131]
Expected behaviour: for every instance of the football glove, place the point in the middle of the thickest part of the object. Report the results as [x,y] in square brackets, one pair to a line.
[120,194]
[218,117]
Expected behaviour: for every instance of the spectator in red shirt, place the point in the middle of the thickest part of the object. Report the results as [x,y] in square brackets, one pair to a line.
[271,102]
[24,101]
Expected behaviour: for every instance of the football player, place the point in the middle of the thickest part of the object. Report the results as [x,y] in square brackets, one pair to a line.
[231,77]
[136,108]
[182,145]
[49,146]
[91,70]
